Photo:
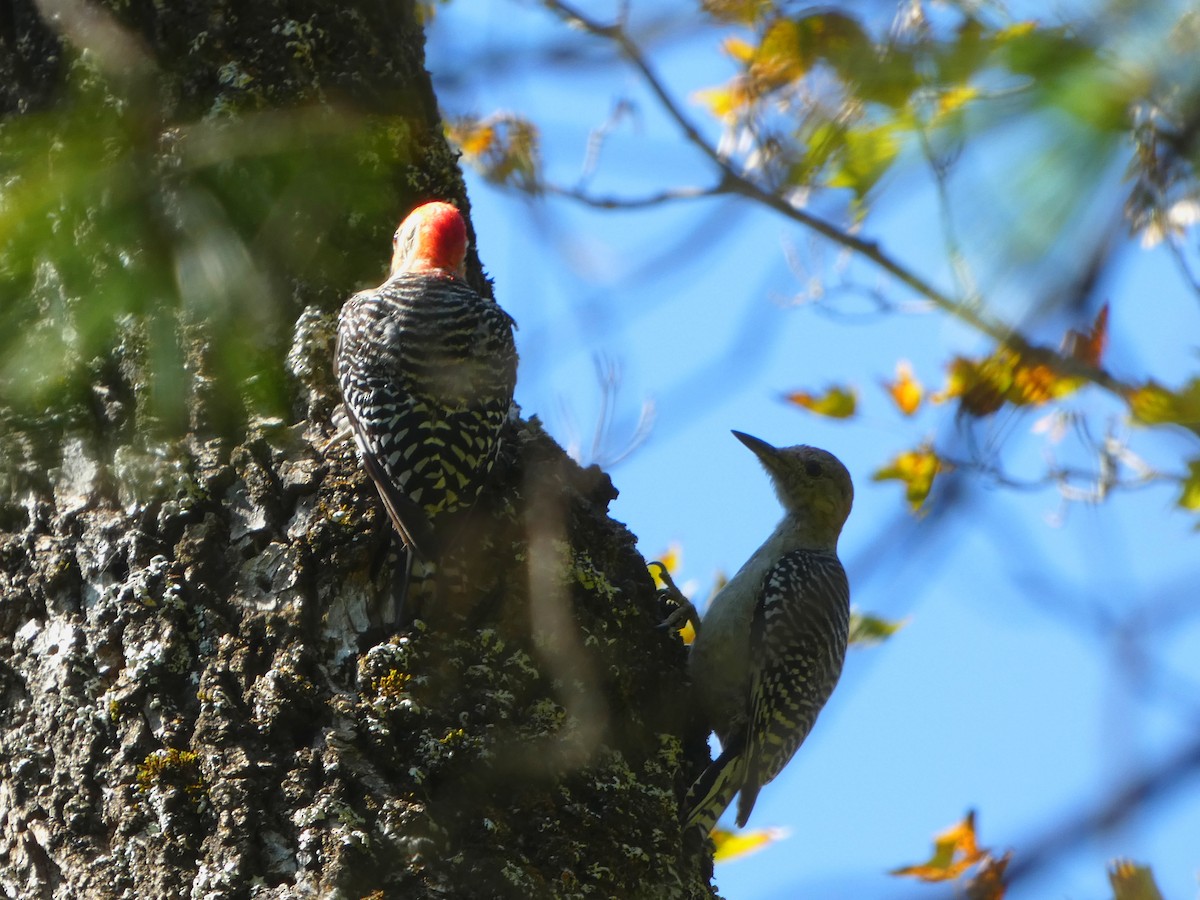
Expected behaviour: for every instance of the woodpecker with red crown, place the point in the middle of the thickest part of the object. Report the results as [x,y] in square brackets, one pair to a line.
[427,368]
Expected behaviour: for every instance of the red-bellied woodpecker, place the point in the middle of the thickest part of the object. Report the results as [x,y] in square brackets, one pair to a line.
[427,368]
[771,645]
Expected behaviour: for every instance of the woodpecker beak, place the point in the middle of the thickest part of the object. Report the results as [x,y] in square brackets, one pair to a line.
[760,448]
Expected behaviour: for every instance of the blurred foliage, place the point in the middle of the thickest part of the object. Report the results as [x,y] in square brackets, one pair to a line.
[828,107]
[1132,882]
[173,257]
[504,147]
[866,629]
[835,401]
[916,470]
[731,845]
[956,853]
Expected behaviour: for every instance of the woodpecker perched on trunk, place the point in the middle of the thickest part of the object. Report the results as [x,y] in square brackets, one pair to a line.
[771,645]
[427,368]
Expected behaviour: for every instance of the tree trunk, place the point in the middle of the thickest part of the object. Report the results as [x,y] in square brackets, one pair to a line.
[200,694]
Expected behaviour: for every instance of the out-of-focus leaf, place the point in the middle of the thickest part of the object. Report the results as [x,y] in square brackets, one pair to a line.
[985,385]
[1153,404]
[791,47]
[867,153]
[1189,496]
[1073,76]
[724,102]
[916,469]
[741,12]
[954,851]
[952,102]
[738,49]
[988,881]
[1088,346]
[736,844]
[1130,881]
[161,251]
[836,402]
[784,55]
[867,630]
[504,148]
[670,559]
[906,391]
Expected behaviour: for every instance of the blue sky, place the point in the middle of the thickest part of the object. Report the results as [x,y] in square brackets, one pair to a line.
[1003,694]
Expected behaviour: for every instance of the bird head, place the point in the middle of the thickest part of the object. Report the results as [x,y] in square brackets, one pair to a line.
[432,238]
[809,482]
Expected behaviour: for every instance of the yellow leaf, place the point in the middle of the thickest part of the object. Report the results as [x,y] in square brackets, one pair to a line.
[781,57]
[744,12]
[1189,498]
[866,154]
[505,148]
[982,386]
[956,98]
[1020,29]
[954,851]
[905,390]
[866,629]
[837,402]
[473,137]
[731,844]
[738,49]
[1132,882]
[687,634]
[723,102]
[916,469]
[1153,404]
[671,559]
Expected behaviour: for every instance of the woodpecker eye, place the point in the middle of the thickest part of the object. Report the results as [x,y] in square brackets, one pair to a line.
[813,468]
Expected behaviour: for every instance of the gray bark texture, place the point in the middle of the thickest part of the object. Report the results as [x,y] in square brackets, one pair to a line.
[199,693]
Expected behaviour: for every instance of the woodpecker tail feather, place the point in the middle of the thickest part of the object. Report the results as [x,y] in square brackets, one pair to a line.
[713,791]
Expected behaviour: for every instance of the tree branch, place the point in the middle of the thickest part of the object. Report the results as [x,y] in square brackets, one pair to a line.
[732,181]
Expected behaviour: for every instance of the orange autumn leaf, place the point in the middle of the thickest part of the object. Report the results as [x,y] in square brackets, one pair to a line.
[505,148]
[1035,385]
[1089,346]
[906,391]
[474,138]
[982,386]
[916,469]
[988,881]
[837,402]
[954,851]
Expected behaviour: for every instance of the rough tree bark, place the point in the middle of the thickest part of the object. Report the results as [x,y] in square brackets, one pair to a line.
[189,704]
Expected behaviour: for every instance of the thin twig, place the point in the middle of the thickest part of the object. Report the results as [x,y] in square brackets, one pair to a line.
[732,181]
[611,202]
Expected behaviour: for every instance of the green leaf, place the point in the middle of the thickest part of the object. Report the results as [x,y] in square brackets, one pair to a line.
[1189,497]
[867,630]
[867,154]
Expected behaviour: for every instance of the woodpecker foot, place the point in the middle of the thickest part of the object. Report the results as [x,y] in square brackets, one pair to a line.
[342,430]
[671,596]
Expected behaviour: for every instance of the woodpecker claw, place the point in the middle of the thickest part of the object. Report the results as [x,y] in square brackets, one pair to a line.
[342,430]
[684,611]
